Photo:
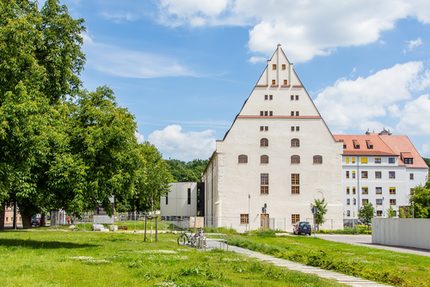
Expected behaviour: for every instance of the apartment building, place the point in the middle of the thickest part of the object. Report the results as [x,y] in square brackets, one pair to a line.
[381,169]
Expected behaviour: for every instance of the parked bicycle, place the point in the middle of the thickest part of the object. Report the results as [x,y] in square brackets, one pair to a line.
[197,239]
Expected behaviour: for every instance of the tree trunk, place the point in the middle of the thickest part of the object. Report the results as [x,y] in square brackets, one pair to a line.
[2,212]
[43,219]
[26,220]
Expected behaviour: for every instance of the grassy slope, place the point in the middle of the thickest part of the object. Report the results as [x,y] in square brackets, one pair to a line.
[65,258]
[398,269]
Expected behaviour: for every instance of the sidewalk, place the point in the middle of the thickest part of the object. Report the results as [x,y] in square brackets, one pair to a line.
[341,278]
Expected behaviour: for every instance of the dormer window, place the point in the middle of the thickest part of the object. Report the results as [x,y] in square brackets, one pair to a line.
[408,160]
[355,144]
[369,144]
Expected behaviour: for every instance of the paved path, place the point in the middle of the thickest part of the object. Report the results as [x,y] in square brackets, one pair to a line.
[366,240]
[341,278]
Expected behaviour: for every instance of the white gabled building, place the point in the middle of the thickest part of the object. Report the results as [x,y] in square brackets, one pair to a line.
[277,157]
[381,169]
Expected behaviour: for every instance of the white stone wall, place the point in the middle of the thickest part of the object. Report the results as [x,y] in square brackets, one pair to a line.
[178,200]
[233,189]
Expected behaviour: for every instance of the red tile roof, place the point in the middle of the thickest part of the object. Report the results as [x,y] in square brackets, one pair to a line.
[384,145]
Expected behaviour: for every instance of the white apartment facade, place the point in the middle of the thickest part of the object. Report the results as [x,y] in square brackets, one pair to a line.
[276,159]
[381,169]
[180,202]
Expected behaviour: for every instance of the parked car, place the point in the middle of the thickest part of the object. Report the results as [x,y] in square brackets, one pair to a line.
[302,227]
[35,221]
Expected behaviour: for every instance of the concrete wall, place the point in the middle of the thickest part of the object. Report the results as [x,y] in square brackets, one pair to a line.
[177,201]
[406,232]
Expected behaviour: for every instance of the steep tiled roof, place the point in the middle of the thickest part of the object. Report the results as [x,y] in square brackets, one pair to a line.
[384,145]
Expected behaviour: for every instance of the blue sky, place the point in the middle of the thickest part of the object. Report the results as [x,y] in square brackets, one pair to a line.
[184,67]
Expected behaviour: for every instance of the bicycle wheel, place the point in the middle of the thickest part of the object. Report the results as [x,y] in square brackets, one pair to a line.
[182,239]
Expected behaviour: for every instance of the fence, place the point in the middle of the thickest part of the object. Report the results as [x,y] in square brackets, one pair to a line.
[405,232]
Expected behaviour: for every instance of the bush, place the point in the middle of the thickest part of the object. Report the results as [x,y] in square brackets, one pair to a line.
[358,229]
[262,232]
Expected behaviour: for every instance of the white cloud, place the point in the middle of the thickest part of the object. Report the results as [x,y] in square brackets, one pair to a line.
[173,142]
[412,45]
[305,28]
[353,104]
[119,16]
[415,119]
[256,59]
[140,138]
[121,62]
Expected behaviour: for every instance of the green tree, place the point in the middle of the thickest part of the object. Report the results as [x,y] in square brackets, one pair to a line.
[366,213]
[186,171]
[103,139]
[420,201]
[320,210]
[60,51]
[391,212]
[152,178]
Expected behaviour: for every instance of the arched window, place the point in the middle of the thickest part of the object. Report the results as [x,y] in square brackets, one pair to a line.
[295,143]
[264,159]
[243,158]
[318,159]
[264,142]
[295,159]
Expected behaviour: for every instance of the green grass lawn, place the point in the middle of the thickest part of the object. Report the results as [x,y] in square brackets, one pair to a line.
[399,269]
[71,258]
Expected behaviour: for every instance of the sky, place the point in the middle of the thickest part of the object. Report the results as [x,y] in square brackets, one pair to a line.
[185,67]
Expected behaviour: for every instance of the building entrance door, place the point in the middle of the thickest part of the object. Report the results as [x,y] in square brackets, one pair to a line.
[264,220]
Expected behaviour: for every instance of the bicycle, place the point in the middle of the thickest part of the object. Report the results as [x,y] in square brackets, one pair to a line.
[197,239]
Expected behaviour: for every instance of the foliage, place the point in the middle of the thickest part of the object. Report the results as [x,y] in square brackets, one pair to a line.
[61,146]
[264,232]
[123,259]
[366,213]
[357,229]
[320,207]
[186,171]
[420,201]
[427,160]
[398,269]
[391,212]
[152,178]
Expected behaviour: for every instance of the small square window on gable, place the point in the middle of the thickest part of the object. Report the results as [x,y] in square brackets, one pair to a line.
[270,113]
[285,82]
[273,66]
[270,97]
[273,82]
[292,113]
[292,97]
[284,66]
[297,113]
[297,97]
[266,97]
[266,113]
[261,113]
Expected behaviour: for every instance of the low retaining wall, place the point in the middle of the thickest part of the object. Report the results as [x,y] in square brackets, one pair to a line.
[406,232]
